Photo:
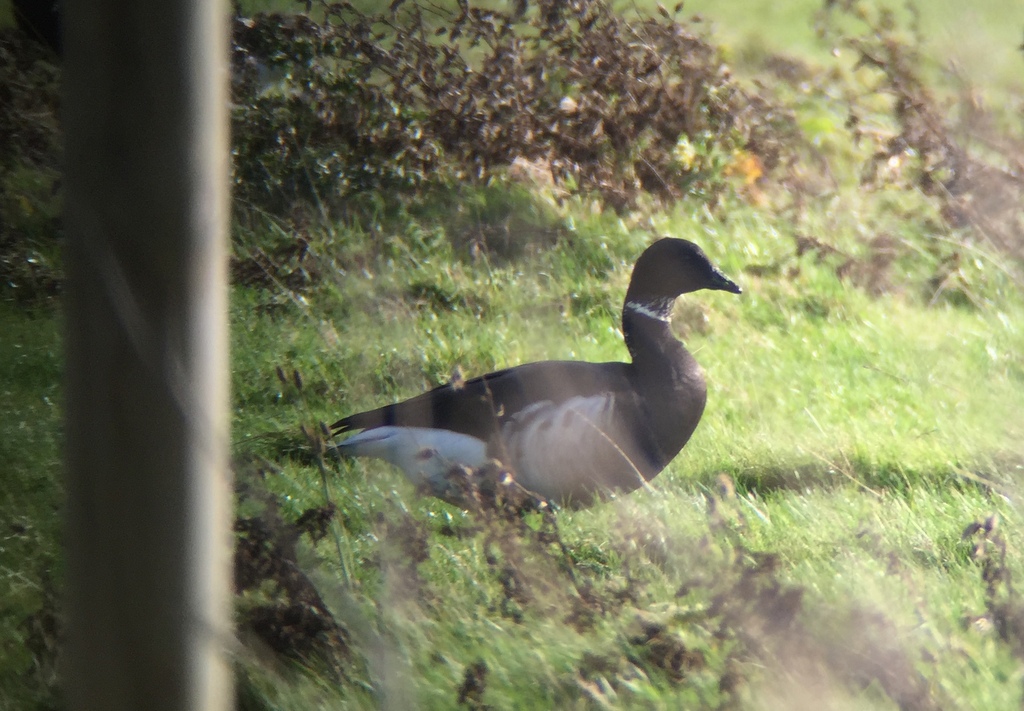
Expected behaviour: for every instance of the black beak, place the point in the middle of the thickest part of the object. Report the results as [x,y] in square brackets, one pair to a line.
[723,283]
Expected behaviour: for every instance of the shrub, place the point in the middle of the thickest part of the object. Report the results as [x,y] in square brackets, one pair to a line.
[392,101]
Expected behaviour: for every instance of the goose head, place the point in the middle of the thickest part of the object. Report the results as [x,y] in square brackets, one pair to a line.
[667,269]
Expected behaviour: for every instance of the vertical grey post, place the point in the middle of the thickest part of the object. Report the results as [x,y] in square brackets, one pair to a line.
[148,512]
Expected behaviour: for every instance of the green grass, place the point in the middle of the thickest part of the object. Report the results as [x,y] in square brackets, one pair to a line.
[856,427]
[979,43]
[801,366]
[30,498]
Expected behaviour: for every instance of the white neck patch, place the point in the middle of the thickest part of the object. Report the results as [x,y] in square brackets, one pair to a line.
[658,311]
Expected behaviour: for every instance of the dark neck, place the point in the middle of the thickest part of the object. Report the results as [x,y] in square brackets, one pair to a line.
[663,370]
[645,323]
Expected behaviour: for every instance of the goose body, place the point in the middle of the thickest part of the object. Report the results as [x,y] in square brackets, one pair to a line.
[569,431]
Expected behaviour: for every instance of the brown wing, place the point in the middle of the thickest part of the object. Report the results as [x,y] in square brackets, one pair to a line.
[479,406]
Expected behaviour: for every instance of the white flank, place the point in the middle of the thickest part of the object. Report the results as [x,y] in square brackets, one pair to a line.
[425,455]
[567,450]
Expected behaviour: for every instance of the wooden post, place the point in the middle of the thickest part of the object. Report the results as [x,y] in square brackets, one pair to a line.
[148,485]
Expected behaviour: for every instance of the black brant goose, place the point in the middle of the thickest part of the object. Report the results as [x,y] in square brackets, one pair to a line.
[568,431]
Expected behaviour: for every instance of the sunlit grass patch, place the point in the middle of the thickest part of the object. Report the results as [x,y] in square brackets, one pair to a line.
[862,431]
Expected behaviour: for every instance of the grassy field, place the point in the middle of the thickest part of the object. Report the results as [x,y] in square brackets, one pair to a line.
[843,531]
[863,435]
[976,41]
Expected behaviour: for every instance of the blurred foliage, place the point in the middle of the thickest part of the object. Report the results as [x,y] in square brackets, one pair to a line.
[340,102]
[30,157]
[958,155]
[419,110]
